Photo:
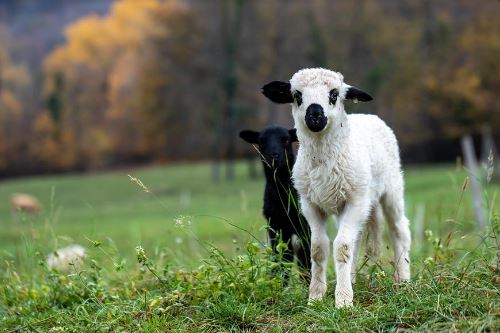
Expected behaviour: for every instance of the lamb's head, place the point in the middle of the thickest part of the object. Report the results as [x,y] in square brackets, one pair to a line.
[317,96]
[275,145]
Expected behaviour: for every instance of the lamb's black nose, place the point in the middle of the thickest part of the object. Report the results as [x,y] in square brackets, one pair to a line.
[274,156]
[315,118]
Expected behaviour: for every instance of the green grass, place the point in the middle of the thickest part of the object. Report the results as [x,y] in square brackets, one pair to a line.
[110,205]
[204,270]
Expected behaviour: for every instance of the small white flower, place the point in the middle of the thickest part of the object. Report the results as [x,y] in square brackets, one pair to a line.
[182,221]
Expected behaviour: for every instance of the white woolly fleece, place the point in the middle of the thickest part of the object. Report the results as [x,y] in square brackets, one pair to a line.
[316,76]
[349,169]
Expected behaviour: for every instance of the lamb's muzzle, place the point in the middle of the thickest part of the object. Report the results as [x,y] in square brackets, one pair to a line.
[315,118]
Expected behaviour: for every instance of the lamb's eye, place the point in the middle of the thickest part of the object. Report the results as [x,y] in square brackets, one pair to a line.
[298,97]
[334,93]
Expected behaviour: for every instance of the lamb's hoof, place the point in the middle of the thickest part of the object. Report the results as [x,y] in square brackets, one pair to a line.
[312,301]
[315,297]
[343,298]
[401,278]
[316,292]
[343,303]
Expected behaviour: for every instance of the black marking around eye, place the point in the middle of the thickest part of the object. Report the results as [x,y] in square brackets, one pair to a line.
[298,97]
[332,98]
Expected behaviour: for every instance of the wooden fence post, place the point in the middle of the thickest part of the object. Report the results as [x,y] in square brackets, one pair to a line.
[474,176]
[489,154]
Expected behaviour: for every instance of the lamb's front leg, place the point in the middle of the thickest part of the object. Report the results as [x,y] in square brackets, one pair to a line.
[344,248]
[320,249]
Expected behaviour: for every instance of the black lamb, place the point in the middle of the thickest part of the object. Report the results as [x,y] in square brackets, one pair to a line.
[280,197]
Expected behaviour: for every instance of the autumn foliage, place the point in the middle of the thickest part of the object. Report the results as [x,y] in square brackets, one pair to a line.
[168,80]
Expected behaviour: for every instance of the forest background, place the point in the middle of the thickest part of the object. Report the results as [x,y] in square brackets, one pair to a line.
[95,84]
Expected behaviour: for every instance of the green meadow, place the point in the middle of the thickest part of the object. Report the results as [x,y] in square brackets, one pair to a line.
[205,268]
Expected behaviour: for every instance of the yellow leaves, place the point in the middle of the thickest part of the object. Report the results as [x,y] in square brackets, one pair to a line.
[44,125]
[482,35]
[466,83]
[9,103]
[99,141]
[121,81]
[129,20]
[89,40]
[16,76]
[107,45]
[431,83]
[95,40]
[101,66]
[46,149]
[54,146]
[98,66]
[14,79]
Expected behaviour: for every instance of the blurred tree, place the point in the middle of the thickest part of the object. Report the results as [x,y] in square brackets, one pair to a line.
[169,69]
[54,146]
[101,65]
[15,81]
[231,20]
[55,98]
[462,77]
[318,52]
[277,37]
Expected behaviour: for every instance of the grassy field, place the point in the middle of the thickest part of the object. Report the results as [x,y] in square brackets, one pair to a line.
[202,268]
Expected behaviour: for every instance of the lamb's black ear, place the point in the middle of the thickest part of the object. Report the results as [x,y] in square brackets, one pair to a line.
[293,135]
[278,92]
[250,136]
[357,94]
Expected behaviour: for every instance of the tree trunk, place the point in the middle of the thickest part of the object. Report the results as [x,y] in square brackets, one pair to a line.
[427,50]
[230,78]
[277,42]
[252,168]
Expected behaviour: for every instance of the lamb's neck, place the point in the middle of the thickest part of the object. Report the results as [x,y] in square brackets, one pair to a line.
[330,145]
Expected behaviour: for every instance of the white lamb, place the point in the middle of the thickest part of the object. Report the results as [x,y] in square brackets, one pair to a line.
[347,166]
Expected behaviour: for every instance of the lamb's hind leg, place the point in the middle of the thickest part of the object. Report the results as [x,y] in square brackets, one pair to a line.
[303,249]
[355,252]
[393,204]
[320,249]
[372,234]
[303,253]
